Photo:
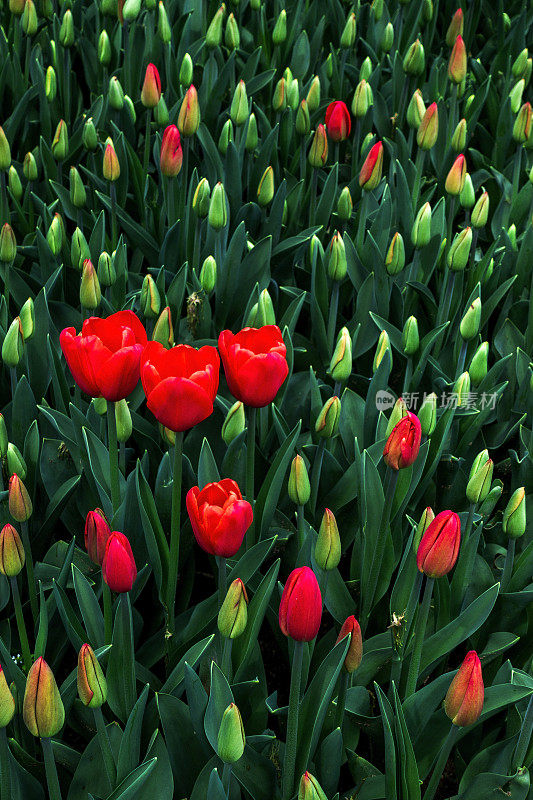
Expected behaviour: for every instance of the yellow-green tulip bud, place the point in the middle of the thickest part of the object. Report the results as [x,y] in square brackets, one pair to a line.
[8,244]
[15,186]
[163,329]
[27,319]
[376,9]
[279,98]
[7,701]
[213,36]
[186,71]
[131,10]
[265,190]
[328,543]
[293,94]
[262,313]
[78,195]
[29,21]
[479,364]
[522,125]
[310,789]
[164,30]
[318,153]
[235,422]
[480,478]
[15,462]
[104,49]
[60,142]
[340,366]
[279,34]
[520,64]
[366,69]
[106,270]
[231,739]
[161,115]
[395,258]
[458,142]
[387,37]
[79,250]
[123,421]
[239,105]
[299,488]
[461,389]
[514,516]
[252,137]
[415,110]
[43,710]
[399,410]
[29,167]
[233,614]
[89,135]
[12,560]
[415,60]
[303,124]
[50,85]
[218,211]
[13,344]
[115,94]
[421,230]
[515,95]
[337,263]
[410,338]
[232,36]
[469,327]
[66,32]
[480,212]
[427,517]
[349,33]
[428,414]
[383,349]
[328,420]
[467,198]
[54,236]
[90,293]
[208,274]
[201,199]
[345,205]
[363,99]
[189,116]
[92,685]
[150,300]
[313,95]
[460,250]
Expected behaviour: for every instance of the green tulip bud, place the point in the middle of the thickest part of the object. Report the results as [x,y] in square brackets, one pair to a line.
[106,270]
[90,294]
[104,48]
[428,130]
[515,95]
[131,10]
[89,135]
[115,94]
[428,414]
[265,190]
[310,789]
[313,95]
[328,420]
[92,685]
[262,313]
[78,195]
[469,327]
[427,10]
[480,212]
[226,136]
[395,258]
[218,211]
[421,230]
[163,329]
[233,614]
[328,543]
[363,99]
[460,250]
[511,233]
[345,205]
[161,115]
[293,94]
[208,274]
[231,739]
[279,98]
[27,319]
[458,142]
[50,84]
[337,263]
[251,134]
[150,300]
[29,167]
[186,71]
[427,517]
[514,516]
[239,105]
[201,199]
[279,34]
[79,249]
[415,60]
[15,186]
[29,21]
[415,110]
[123,420]
[383,349]
[235,422]
[232,37]
[349,32]
[109,8]
[376,9]
[299,488]
[479,364]
[467,198]
[13,344]
[213,36]
[54,236]
[461,389]
[8,244]
[522,125]
[340,366]
[480,479]
[520,64]
[15,462]
[66,32]
[487,506]
[410,338]
[387,38]
[60,142]
[164,30]
[366,69]
[399,410]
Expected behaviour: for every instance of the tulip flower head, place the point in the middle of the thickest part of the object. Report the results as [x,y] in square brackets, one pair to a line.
[464,699]
[42,710]
[403,444]
[171,157]
[370,174]
[118,567]
[300,610]
[458,61]
[439,546]
[92,685]
[219,517]
[151,91]
[12,556]
[338,121]
[7,701]
[96,534]
[255,363]
[354,655]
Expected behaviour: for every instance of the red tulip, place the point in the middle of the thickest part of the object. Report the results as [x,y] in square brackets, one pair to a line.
[151,91]
[370,174]
[338,121]
[104,358]
[171,153]
[300,610]
[255,363]
[219,517]
[118,568]
[464,700]
[403,444]
[180,384]
[439,546]
[355,650]
[96,534]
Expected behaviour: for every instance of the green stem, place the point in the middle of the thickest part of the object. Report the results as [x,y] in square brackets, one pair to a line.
[300,517]
[463,570]
[390,487]
[462,359]
[362,220]
[453,111]
[114,228]
[21,625]
[292,722]
[420,629]
[146,157]
[108,612]
[29,570]
[508,565]
[171,200]
[332,320]
[105,747]
[226,658]
[222,580]
[516,182]
[5,775]
[441,762]
[312,197]
[226,778]
[524,737]
[315,474]
[355,146]
[113,456]
[184,176]
[408,375]
[250,468]
[419,171]
[52,779]
[341,699]
[175,530]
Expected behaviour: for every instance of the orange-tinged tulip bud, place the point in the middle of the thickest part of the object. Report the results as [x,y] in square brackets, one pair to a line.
[355,650]
[439,546]
[318,154]
[42,710]
[401,449]
[20,505]
[7,702]
[92,685]
[370,174]
[458,62]
[522,125]
[12,556]
[455,28]
[428,129]
[171,157]
[151,91]
[464,699]
[111,167]
[189,116]
[455,180]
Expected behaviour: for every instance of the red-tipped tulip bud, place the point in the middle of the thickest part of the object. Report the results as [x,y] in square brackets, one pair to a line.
[151,91]
[370,174]
[338,121]
[7,701]
[310,789]
[171,152]
[328,544]
[401,449]
[455,179]
[60,141]
[265,190]
[150,300]
[514,516]
[20,505]
[328,420]
[318,153]
[522,125]
[340,366]
[457,63]
[425,520]
[8,244]
[90,293]
[189,116]
[455,27]
[118,567]
[354,655]
[299,488]
[458,142]
[429,128]
[92,685]
[232,36]
[233,614]
[111,166]
[231,739]
[439,547]
[464,699]
[300,610]
[96,534]
[42,710]
[12,556]
[395,258]
[415,110]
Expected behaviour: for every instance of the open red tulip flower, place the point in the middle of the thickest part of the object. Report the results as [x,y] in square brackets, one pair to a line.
[118,568]
[219,517]
[180,384]
[105,357]
[338,122]
[300,609]
[255,363]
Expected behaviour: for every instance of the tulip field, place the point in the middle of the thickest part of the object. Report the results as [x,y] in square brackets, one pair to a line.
[266,409]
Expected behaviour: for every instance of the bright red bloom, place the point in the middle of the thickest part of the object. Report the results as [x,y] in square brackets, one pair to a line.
[300,610]
[338,121]
[180,384]
[403,444]
[219,517]
[151,91]
[96,534]
[255,363]
[104,358]
[464,699]
[370,174]
[118,568]
[439,546]
[355,650]
[171,153]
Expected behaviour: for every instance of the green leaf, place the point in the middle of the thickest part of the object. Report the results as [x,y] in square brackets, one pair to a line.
[130,744]
[220,697]
[121,664]
[91,613]
[268,496]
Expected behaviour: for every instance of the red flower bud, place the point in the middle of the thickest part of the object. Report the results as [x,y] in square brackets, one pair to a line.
[255,363]
[97,532]
[171,153]
[455,180]
[463,703]
[338,121]
[439,546]
[355,650]
[300,610]
[403,444]
[457,63]
[370,174]
[151,91]
[219,517]
[118,567]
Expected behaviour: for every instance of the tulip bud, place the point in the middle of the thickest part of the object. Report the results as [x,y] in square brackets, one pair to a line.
[279,98]
[313,95]
[428,414]
[255,5]
[96,534]
[43,710]
[218,212]
[410,338]
[456,176]
[318,153]
[213,36]
[90,293]
[439,546]
[251,134]
[163,26]
[171,157]
[151,90]
[480,478]
[366,69]
[354,656]
[163,329]
[464,699]
[399,410]
[29,167]
[345,205]
[415,110]
[480,212]
[387,37]
[279,34]
[66,31]
[469,327]
[402,446]
[7,701]
[50,85]
[189,116]
[185,74]
[427,517]
[328,420]
[514,516]
[231,739]
[160,113]
[370,174]
[150,301]
[479,364]
[427,10]
[340,366]
[299,488]
[265,190]
[460,250]
[522,125]
[16,7]
[123,420]
[395,258]
[376,9]
[100,406]
[15,186]
[111,166]
[232,37]
[8,244]
[461,388]
[293,94]
[29,21]
[262,313]
[13,344]
[383,349]
[515,95]
[457,64]
[92,685]
[349,32]
[60,142]
[104,49]
[208,274]
[455,28]
[310,789]
[12,556]
[233,614]
[363,99]
[328,544]
[4,441]
[336,254]
[235,422]
[458,142]
[20,505]
[89,135]
[520,63]
[78,195]
[415,60]
[106,270]
[201,199]
[429,128]
[239,105]
[15,462]
[467,197]
[27,319]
